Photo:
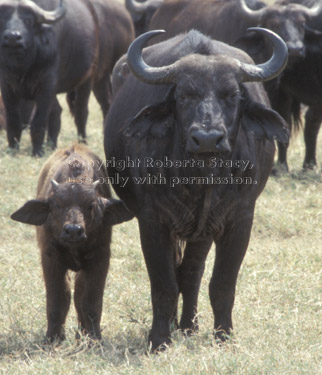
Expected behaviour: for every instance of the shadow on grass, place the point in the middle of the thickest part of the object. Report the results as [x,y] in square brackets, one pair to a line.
[120,349]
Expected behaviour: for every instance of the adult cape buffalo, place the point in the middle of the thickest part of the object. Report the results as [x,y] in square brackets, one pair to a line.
[53,46]
[141,12]
[302,83]
[228,21]
[182,125]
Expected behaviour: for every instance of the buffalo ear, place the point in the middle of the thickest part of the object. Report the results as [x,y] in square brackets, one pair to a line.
[154,120]
[264,123]
[33,212]
[115,211]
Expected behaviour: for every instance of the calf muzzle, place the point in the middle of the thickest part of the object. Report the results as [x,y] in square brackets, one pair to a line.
[73,233]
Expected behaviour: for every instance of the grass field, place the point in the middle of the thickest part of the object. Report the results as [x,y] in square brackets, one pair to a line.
[277,314]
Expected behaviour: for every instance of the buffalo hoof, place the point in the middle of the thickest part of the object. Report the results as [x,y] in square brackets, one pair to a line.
[311,166]
[158,344]
[54,340]
[51,144]
[279,169]
[39,152]
[12,151]
[82,140]
[221,336]
[189,331]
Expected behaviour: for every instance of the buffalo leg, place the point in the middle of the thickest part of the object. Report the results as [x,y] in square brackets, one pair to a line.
[189,276]
[58,297]
[313,119]
[282,103]
[54,124]
[158,252]
[80,107]
[230,251]
[88,296]
[103,91]
[39,122]
[14,126]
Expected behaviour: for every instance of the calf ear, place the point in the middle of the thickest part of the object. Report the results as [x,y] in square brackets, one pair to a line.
[33,212]
[115,211]
[264,123]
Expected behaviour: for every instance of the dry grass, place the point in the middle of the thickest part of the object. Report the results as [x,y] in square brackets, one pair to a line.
[277,313]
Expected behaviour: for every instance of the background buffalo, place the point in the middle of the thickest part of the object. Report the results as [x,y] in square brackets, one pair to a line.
[71,47]
[228,21]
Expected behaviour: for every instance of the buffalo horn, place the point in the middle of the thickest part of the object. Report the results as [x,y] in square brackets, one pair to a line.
[54,184]
[47,16]
[136,7]
[140,69]
[166,74]
[254,15]
[311,12]
[271,68]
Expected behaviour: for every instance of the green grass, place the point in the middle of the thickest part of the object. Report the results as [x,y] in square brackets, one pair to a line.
[277,314]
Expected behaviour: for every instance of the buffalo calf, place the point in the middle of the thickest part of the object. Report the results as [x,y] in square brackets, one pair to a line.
[73,213]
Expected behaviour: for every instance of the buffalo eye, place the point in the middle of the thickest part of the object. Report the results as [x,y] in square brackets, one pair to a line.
[229,97]
[183,99]
[29,21]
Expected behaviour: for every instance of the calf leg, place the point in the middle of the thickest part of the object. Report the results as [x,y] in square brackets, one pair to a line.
[88,296]
[58,297]
[313,119]
[230,251]
[189,277]
[158,252]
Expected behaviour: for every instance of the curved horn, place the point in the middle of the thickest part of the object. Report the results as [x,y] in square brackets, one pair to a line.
[311,12]
[47,16]
[54,184]
[135,6]
[254,15]
[95,184]
[140,69]
[274,66]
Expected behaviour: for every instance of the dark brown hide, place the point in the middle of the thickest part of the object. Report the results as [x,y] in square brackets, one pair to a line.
[74,55]
[2,115]
[73,215]
[196,107]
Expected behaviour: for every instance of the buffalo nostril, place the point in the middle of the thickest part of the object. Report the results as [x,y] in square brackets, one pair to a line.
[73,232]
[13,38]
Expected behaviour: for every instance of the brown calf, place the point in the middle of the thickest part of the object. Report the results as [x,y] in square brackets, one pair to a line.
[73,213]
